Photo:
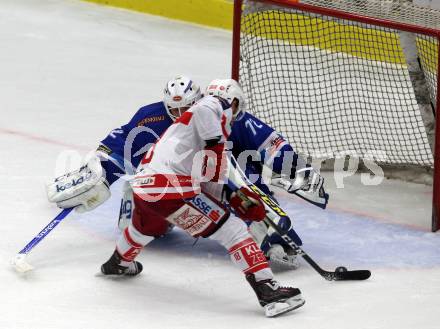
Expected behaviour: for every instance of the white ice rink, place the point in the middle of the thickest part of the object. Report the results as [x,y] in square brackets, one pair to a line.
[70,72]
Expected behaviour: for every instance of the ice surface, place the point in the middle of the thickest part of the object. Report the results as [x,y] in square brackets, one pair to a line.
[71,71]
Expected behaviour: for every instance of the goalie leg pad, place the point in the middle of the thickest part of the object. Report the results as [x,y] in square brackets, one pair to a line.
[127,207]
[278,253]
[281,258]
[272,241]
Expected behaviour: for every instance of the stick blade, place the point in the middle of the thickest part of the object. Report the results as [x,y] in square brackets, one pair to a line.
[352,275]
[20,264]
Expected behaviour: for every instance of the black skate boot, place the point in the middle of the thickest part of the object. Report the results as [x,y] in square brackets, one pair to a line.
[275,299]
[114,267]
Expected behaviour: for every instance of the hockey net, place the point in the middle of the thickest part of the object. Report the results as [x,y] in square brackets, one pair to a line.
[342,77]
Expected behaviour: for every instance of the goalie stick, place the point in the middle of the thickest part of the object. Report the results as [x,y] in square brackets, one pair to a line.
[273,211]
[19,262]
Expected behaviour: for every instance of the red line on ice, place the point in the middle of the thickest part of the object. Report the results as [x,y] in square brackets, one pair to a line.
[42,139]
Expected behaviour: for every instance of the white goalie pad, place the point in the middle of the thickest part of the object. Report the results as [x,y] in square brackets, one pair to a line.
[127,207]
[278,258]
[84,188]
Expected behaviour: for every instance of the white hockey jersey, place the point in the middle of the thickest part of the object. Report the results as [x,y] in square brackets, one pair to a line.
[172,168]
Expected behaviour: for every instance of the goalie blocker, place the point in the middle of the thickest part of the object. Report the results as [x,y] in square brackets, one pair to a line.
[307,183]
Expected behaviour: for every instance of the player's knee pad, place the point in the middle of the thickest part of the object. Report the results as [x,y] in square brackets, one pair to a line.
[201,215]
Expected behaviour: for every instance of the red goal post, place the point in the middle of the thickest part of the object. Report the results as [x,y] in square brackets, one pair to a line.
[331,75]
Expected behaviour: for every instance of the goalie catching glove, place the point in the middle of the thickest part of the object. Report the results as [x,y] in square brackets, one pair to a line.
[83,189]
[307,184]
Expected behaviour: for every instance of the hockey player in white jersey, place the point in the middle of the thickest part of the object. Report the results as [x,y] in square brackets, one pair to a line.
[248,135]
[180,180]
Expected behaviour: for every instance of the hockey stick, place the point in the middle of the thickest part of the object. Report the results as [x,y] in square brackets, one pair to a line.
[273,211]
[339,274]
[19,262]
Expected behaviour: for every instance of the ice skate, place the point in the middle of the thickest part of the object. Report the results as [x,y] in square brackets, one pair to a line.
[275,299]
[116,266]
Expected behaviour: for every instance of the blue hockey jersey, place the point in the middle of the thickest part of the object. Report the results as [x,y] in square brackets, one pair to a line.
[125,146]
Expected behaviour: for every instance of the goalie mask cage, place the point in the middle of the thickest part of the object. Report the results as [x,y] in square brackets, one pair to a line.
[334,79]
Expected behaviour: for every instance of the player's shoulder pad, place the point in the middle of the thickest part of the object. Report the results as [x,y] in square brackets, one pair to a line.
[153,109]
[151,113]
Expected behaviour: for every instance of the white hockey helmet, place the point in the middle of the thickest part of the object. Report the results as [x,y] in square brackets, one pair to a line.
[228,89]
[180,92]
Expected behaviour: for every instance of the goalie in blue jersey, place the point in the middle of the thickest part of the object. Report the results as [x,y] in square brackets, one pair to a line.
[253,143]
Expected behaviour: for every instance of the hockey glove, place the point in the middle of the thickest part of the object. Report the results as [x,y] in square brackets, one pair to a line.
[247,205]
[84,188]
[307,184]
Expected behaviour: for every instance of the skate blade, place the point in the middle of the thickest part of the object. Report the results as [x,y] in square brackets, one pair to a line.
[278,308]
[115,277]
